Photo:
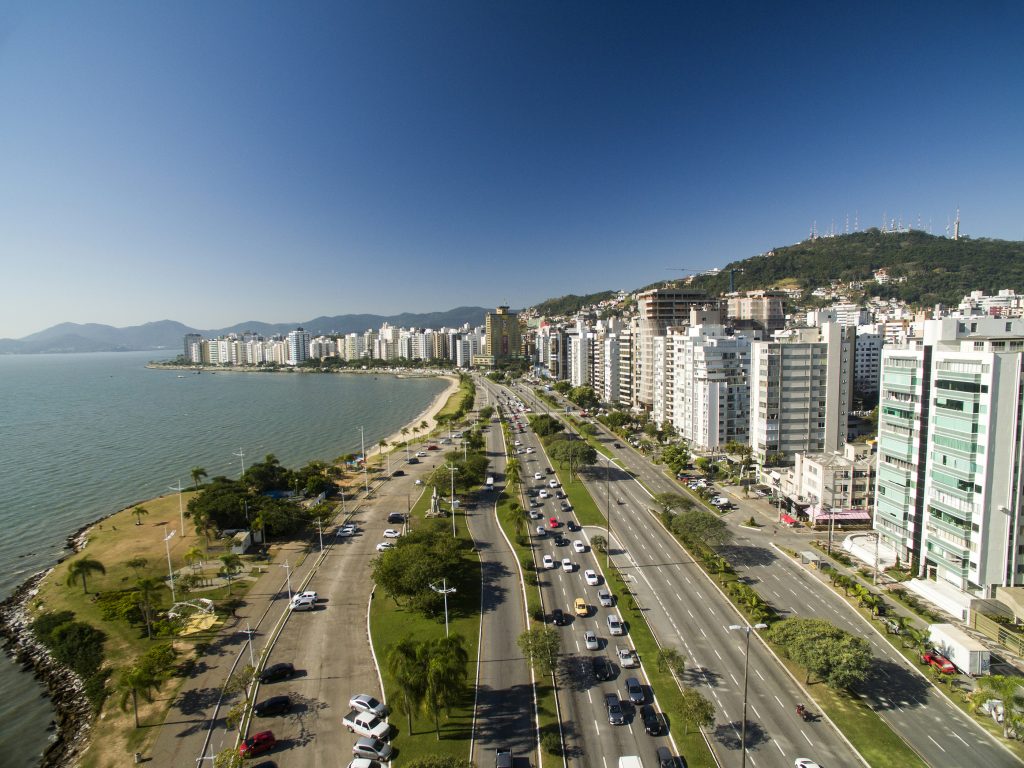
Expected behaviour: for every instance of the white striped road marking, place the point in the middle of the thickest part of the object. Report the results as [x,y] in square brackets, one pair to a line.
[806,739]
[933,741]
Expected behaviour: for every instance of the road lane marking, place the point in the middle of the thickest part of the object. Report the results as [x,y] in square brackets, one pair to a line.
[777,699]
[779,746]
[933,741]
[737,682]
[806,739]
[758,673]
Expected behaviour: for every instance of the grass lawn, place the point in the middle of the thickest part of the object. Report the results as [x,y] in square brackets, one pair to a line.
[391,623]
[455,399]
[113,542]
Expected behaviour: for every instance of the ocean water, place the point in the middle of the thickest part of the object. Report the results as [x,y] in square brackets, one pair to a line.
[82,436]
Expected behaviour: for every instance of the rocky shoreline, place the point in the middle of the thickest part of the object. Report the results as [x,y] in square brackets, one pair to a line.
[63,687]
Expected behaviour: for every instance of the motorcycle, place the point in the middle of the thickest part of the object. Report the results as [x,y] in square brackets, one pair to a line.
[804,712]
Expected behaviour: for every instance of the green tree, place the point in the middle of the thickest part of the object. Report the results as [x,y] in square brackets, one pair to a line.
[671,660]
[231,565]
[228,758]
[440,761]
[148,590]
[697,711]
[81,568]
[545,426]
[672,502]
[405,665]
[138,512]
[823,650]
[446,676]
[676,457]
[137,564]
[701,525]
[194,555]
[584,397]
[706,466]
[600,543]
[541,647]
[512,472]
[574,454]
[1007,690]
[136,681]
[198,473]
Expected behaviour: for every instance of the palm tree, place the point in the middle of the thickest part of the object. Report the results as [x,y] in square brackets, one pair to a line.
[381,444]
[81,568]
[137,564]
[139,511]
[404,663]
[136,681]
[193,556]
[197,474]
[1007,690]
[232,565]
[202,521]
[446,676]
[147,593]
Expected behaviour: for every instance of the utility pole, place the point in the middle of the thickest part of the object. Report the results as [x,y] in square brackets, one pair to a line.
[241,458]
[453,469]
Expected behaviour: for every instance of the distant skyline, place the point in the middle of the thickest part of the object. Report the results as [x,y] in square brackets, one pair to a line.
[214,163]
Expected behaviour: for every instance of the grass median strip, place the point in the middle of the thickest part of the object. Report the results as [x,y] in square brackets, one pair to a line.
[392,623]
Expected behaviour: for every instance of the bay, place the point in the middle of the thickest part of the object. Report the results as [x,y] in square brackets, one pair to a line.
[82,436]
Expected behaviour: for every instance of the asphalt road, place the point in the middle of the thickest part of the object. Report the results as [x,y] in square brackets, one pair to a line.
[505,705]
[589,739]
[932,726]
[686,611]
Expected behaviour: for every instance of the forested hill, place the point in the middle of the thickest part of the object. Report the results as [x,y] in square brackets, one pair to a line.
[567,305]
[938,269]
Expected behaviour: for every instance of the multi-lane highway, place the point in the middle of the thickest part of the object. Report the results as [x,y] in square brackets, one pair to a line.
[686,611]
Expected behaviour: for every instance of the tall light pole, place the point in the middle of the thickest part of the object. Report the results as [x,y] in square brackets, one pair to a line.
[241,458]
[170,568]
[362,449]
[607,505]
[288,577]
[320,530]
[444,590]
[249,631]
[747,629]
[181,507]
[453,469]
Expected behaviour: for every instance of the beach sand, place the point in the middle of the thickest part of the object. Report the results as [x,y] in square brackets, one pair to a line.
[396,439]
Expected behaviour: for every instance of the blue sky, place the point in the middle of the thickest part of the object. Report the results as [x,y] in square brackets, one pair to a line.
[220,162]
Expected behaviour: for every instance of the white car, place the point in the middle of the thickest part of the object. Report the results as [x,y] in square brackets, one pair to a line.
[548,561]
[538,476]
[385,545]
[591,578]
[590,640]
[805,762]
[364,702]
[530,450]
[543,494]
[579,546]
[420,454]
[540,531]
[305,596]
[418,481]
[627,659]
[604,597]
[346,530]
[391,533]
[553,483]
[615,626]
[517,443]
[567,565]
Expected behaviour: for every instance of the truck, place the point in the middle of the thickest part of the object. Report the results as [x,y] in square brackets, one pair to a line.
[630,761]
[366,724]
[966,653]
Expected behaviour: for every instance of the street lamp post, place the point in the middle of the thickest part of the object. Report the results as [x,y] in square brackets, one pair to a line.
[444,590]
[746,629]
[453,469]
[288,578]
[181,508]
[241,458]
[320,530]
[362,449]
[170,568]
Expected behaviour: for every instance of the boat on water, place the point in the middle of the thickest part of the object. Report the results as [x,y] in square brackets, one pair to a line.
[181,376]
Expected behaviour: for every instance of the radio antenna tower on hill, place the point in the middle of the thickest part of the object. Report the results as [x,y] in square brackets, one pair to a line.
[956,226]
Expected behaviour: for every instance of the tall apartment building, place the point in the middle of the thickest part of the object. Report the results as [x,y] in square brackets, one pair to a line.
[711,387]
[193,348]
[757,310]
[951,452]
[867,364]
[502,339]
[581,354]
[298,346]
[657,309]
[801,391]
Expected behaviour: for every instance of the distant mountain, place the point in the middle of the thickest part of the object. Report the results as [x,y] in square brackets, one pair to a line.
[169,334]
[938,270]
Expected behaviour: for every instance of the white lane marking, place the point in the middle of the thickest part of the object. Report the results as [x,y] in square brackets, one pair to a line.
[961,739]
[718,655]
[933,741]
[777,699]
[779,746]
[806,739]
[737,682]
[758,673]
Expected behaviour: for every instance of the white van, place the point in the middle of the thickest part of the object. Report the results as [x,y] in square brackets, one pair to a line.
[615,626]
[301,603]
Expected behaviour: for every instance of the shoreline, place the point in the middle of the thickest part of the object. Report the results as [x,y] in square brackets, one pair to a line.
[73,716]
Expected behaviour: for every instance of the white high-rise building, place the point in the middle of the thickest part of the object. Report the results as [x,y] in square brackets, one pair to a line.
[298,346]
[801,391]
[867,364]
[950,475]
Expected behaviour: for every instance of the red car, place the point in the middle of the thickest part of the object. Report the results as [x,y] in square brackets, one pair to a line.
[938,661]
[553,522]
[433,448]
[257,744]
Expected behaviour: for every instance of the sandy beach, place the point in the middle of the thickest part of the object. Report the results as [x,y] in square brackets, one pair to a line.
[396,438]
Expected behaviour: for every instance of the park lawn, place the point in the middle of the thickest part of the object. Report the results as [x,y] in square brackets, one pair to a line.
[391,623]
[113,542]
[584,508]
[466,387]
[547,712]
